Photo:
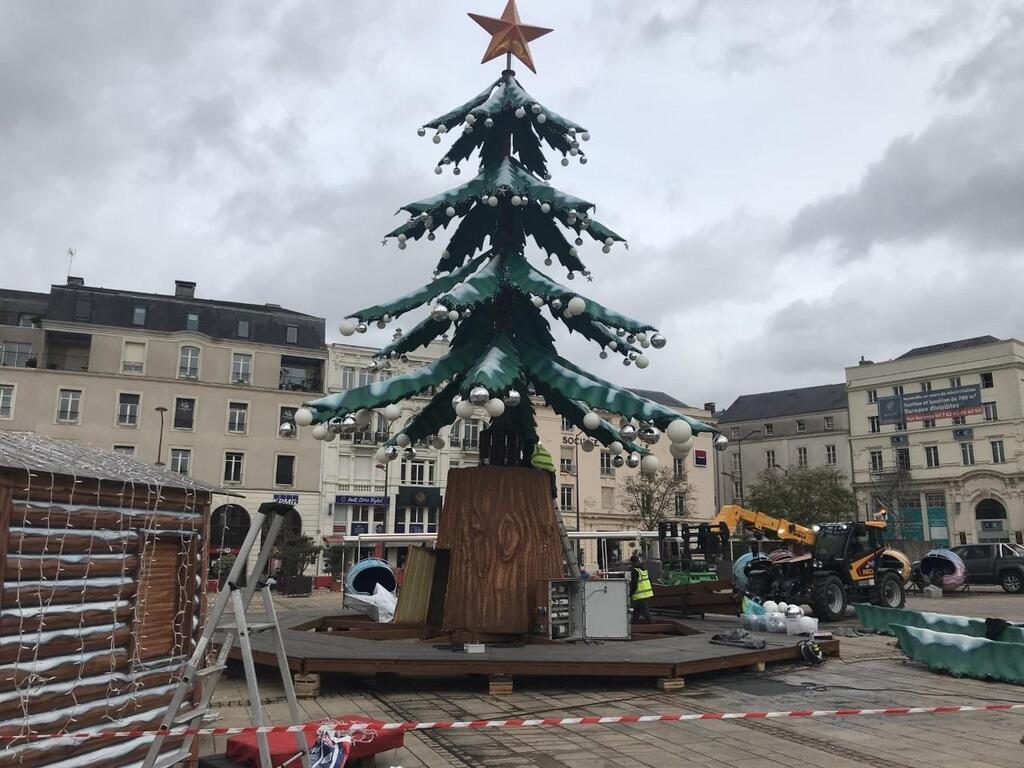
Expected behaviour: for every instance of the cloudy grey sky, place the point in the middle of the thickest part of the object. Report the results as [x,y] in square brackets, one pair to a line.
[801,183]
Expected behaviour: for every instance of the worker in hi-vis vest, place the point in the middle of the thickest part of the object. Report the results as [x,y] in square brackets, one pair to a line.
[541,459]
[640,590]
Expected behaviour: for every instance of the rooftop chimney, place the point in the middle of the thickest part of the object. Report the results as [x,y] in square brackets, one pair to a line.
[862,361]
[710,407]
[76,281]
[184,289]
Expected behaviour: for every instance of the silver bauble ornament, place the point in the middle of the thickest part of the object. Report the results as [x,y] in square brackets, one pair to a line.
[618,461]
[627,432]
[721,443]
[421,131]
[334,425]
[287,429]
[361,328]
[488,123]
[587,444]
[439,313]
[633,460]
[513,398]
[657,341]
[556,305]
[479,395]
[649,435]
[391,452]
[410,453]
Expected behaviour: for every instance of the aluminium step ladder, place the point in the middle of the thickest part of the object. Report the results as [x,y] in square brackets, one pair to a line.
[234,600]
[568,551]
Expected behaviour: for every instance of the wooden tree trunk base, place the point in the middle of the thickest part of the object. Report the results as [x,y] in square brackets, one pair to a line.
[498,524]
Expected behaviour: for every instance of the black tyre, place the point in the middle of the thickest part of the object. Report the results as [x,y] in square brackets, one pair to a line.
[1012,581]
[889,591]
[828,598]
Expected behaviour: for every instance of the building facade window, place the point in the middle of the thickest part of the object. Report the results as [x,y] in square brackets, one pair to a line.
[734,433]
[903,458]
[287,416]
[873,424]
[830,455]
[801,425]
[291,334]
[83,310]
[737,490]
[565,498]
[471,434]
[15,354]
[680,504]
[769,459]
[931,455]
[284,470]
[69,403]
[830,423]
[566,425]
[607,470]
[243,329]
[898,390]
[872,395]
[959,420]
[348,377]
[181,460]
[736,462]
[238,418]
[128,409]
[184,413]
[241,368]
[998,455]
[986,381]
[926,386]
[234,464]
[967,454]
[954,381]
[418,472]
[901,426]
[565,460]
[192,321]
[876,461]
[188,363]
[801,457]
[991,413]
[125,450]
[6,401]
[133,357]
[139,316]
[928,424]
[769,429]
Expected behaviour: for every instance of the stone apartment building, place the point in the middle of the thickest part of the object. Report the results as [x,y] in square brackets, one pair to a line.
[937,438]
[406,496]
[200,385]
[788,429]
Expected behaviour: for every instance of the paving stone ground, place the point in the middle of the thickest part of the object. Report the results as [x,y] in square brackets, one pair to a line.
[871,673]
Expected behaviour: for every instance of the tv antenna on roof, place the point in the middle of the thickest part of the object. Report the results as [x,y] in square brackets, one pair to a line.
[71,257]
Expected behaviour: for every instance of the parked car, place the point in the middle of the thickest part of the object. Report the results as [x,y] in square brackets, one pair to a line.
[1001,564]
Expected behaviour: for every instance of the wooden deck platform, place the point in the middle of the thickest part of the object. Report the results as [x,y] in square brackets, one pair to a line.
[671,649]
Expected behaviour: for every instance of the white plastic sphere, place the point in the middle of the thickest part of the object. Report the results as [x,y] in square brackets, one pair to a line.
[442,128]
[535,108]
[402,245]
[453,315]
[565,161]
[303,417]
[781,608]
[470,118]
[770,606]
[495,407]
[520,112]
[437,138]
[681,450]
[585,135]
[609,241]
[591,420]
[450,211]
[392,412]
[542,118]
[545,208]
[331,437]
[642,361]
[320,432]
[402,440]
[363,418]
[516,200]
[616,448]
[537,301]
[679,431]
[464,409]
[492,201]
[650,464]
[347,327]
[380,455]
[577,306]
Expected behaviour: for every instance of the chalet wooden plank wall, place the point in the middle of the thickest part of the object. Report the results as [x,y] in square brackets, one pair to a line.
[101,597]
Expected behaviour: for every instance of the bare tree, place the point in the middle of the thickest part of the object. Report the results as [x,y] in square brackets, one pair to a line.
[887,491]
[651,499]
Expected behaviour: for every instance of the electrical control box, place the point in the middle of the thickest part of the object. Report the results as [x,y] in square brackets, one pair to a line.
[574,609]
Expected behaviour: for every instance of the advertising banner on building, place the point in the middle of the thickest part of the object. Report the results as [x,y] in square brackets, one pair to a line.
[935,404]
[368,501]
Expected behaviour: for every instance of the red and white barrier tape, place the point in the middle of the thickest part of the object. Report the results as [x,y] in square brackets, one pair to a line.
[355,726]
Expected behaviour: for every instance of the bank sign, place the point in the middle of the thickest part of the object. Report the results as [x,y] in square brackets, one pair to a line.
[368,501]
[936,404]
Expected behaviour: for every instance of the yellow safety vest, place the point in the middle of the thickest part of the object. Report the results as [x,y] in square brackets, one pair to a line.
[644,590]
[542,459]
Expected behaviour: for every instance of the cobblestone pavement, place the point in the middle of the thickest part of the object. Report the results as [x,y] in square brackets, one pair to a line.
[871,673]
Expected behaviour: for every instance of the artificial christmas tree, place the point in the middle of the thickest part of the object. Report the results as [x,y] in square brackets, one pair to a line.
[486,293]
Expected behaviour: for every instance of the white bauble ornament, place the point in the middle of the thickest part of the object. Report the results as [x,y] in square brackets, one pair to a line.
[470,118]
[380,455]
[513,398]
[495,407]
[520,112]
[442,128]
[542,118]
[347,327]
[304,417]
[591,420]
[331,437]
[616,448]
[535,108]
[363,417]
[642,361]
[516,200]
[577,306]
[437,138]
[679,431]
[609,241]
[545,208]
[453,315]
[585,135]
[479,395]
[650,464]
[537,301]
[392,412]
[449,211]
[681,450]
[464,409]
[320,432]
[402,440]
[613,345]
[492,201]
[565,161]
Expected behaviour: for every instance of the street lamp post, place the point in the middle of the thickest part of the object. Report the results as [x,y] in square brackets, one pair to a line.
[739,462]
[160,443]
